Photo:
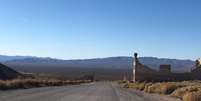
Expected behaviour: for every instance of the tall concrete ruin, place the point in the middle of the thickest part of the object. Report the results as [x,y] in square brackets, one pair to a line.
[144,73]
[198,63]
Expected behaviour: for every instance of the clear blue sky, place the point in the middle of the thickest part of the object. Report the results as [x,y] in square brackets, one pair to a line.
[72,29]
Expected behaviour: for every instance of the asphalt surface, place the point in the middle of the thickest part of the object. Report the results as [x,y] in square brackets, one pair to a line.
[102,91]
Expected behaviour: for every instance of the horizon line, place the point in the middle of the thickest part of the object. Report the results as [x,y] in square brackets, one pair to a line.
[32,56]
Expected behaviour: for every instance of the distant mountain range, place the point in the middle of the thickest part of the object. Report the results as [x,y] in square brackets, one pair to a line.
[110,62]
[4,58]
[105,68]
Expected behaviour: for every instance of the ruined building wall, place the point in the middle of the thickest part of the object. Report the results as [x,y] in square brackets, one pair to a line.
[198,63]
[144,73]
[165,69]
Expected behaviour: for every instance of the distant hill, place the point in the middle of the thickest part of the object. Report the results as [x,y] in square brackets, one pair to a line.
[110,62]
[7,73]
[4,58]
[110,65]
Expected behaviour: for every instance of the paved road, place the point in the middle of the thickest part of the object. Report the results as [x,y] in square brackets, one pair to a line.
[102,91]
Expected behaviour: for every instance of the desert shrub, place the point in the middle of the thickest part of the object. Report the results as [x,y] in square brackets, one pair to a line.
[30,83]
[154,88]
[160,88]
[141,86]
[146,88]
[122,81]
[175,89]
[168,88]
[183,90]
[192,96]
[90,76]
[137,85]
[126,85]
[3,85]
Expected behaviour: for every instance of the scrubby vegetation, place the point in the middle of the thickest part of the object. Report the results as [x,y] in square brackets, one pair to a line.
[30,83]
[192,96]
[186,90]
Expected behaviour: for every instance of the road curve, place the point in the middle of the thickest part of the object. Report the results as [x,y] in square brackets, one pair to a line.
[102,91]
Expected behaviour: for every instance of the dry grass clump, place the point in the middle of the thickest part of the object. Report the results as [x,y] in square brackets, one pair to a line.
[122,81]
[183,90]
[138,86]
[146,88]
[191,83]
[30,83]
[186,90]
[192,96]
[160,88]
[153,88]
[168,88]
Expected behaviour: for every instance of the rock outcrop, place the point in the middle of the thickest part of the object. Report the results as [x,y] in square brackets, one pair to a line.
[7,73]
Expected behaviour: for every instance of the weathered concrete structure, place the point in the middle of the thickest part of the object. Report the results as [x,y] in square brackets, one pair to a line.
[165,69]
[144,73]
[198,63]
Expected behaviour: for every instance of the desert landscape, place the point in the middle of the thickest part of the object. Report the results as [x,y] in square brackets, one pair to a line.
[100,50]
[145,90]
[165,82]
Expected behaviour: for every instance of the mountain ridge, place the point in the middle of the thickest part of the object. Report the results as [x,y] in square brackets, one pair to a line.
[118,62]
[110,68]
[4,58]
